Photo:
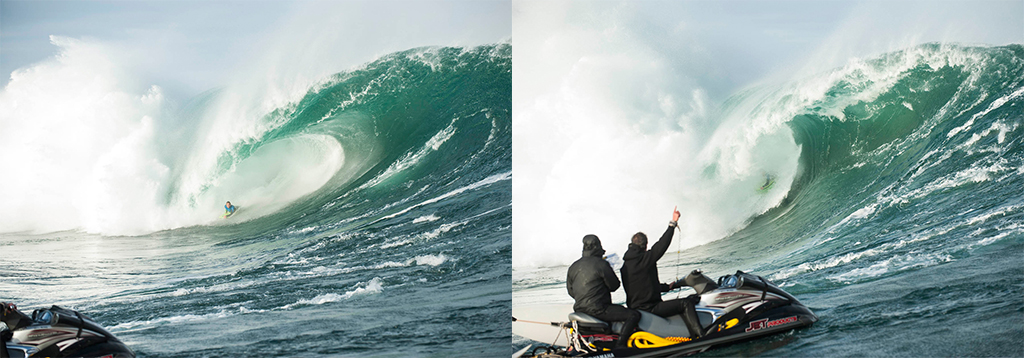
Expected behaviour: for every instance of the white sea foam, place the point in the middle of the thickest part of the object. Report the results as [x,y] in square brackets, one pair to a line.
[441,229]
[397,243]
[482,183]
[305,229]
[230,310]
[318,300]
[1013,229]
[998,102]
[825,264]
[329,271]
[863,212]
[363,288]
[892,264]
[412,158]
[431,260]
[427,218]
[897,262]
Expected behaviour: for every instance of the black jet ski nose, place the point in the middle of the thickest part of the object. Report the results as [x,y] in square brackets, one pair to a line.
[68,333]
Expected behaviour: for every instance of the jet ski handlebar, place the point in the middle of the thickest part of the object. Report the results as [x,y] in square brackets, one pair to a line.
[12,317]
[697,280]
[703,284]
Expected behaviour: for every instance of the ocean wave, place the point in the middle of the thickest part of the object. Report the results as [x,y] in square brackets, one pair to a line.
[373,286]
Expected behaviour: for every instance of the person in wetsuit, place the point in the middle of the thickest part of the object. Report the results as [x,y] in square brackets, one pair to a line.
[229,209]
[640,280]
[590,282]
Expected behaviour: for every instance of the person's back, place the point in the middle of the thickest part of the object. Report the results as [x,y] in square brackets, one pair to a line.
[590,281]
[641,283]
[640,271]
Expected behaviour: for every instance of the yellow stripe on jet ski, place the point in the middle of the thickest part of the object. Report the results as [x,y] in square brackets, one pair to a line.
[648,340]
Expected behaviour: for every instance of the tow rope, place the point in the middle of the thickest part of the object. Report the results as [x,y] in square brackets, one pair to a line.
[679,251]
[556,324]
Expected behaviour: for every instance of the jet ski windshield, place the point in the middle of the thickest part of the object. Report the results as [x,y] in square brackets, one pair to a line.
[729,281]
[745,280]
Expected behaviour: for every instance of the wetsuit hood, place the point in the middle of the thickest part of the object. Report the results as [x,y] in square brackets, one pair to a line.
[592,246]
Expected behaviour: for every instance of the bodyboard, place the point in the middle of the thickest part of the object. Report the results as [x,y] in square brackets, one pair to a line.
[229,214]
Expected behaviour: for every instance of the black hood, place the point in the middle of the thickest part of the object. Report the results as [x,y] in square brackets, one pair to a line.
[592,246]
[634,251]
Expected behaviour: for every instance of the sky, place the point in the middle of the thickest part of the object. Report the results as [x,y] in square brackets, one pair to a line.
[727,45]
[188,47]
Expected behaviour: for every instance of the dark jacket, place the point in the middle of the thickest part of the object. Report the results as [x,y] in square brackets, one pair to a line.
[640,273]
[590,282]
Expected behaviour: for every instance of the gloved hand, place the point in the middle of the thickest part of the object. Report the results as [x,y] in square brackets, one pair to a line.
[677,284]
[4,307]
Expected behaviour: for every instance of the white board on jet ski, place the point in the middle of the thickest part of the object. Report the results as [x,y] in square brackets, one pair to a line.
[535,322]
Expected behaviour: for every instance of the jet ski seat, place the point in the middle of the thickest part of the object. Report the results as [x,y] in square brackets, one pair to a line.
[585,321]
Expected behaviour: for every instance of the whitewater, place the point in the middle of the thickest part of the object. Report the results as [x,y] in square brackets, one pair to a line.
[896,213]
[374,205]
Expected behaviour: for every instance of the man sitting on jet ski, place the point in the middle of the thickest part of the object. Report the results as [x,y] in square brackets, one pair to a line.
[590,282]
[640,280]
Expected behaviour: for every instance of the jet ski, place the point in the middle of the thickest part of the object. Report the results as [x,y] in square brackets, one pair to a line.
[734,308]
[56,332]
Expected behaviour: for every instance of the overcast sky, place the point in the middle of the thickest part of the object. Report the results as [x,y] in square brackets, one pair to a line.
[191,46]
[725,45]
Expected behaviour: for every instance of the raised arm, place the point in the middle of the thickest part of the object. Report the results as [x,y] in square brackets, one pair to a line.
[659,248]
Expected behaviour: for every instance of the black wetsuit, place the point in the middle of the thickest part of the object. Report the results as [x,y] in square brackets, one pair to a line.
[590,281]
[643,290]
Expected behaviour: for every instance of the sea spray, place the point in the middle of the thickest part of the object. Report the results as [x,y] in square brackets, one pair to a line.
[79,144]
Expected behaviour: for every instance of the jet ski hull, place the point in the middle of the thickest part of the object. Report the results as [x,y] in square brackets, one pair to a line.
[745,308]
[59,332]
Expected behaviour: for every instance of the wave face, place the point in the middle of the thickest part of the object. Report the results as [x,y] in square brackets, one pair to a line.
[374,210]
[896,211]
